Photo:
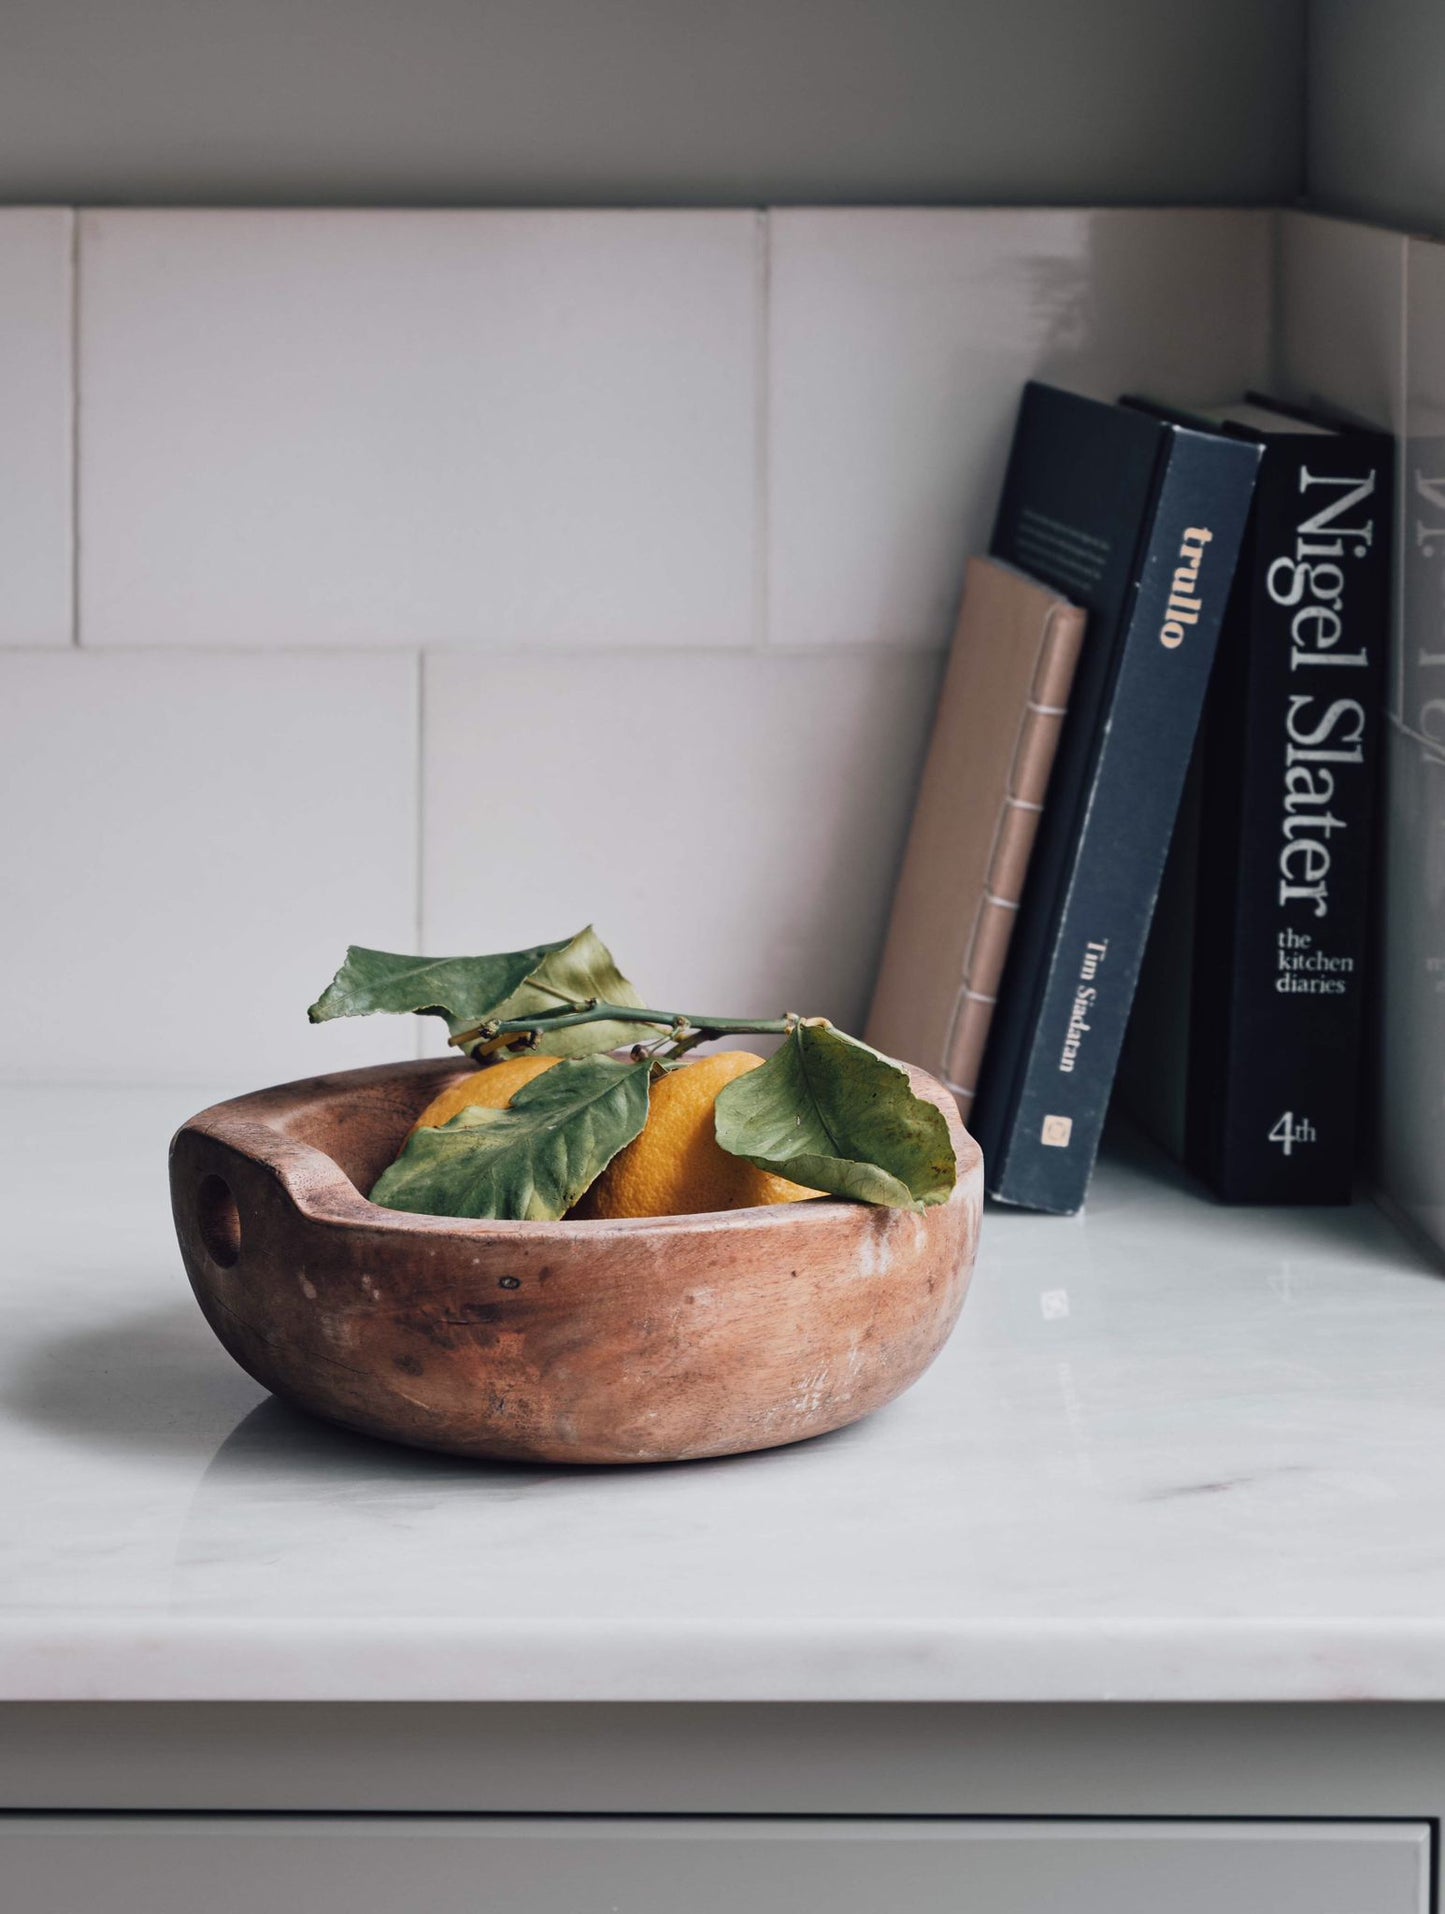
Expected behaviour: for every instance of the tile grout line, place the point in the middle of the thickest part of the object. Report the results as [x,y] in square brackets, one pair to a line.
[75,427]
[420,786]
[1302,101]
[1275,320]
[1402,470]
[503,655]
[762,424]
[419,820]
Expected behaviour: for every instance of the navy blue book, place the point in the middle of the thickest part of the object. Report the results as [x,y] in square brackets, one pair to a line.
[1245,1054]
[1138,518]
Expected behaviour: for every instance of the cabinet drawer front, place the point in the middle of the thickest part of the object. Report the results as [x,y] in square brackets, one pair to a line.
[315,1864]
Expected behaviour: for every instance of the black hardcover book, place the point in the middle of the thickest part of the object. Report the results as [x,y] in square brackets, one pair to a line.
[1139,519]
[1264,935]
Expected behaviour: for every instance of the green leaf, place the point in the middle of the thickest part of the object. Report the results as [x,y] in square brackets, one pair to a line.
[530,1162]
[833,1114]
[468,990]
[462,988]
[579,969]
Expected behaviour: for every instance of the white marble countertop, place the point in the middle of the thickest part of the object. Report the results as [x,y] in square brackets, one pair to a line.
[1173,1452]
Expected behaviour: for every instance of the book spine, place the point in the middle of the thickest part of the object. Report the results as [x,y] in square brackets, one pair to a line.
[997,911]
[1273,1114]
[1060,1090]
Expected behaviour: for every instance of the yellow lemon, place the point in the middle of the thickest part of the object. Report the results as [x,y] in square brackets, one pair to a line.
[491,1088]
[676,1167]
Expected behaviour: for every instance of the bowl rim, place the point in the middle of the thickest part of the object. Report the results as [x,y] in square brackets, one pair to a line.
[322,1192]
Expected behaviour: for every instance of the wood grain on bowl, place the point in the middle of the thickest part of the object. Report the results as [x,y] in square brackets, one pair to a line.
[647,1340]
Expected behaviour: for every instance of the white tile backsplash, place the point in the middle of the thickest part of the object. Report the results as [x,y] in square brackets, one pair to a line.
[898,341]
[730,824]
[36,422]
[191,841]
[534,442]
[452,428]
[1338,331]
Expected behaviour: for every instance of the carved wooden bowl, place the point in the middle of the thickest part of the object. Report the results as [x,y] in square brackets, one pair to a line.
[650,1340]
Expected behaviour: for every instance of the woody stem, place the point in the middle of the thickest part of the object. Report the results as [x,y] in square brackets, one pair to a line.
[692,1028]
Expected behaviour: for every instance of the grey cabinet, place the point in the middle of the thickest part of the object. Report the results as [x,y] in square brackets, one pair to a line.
[380,1864]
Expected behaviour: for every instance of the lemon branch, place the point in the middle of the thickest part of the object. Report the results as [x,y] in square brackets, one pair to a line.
[825,1113]
[683,1028]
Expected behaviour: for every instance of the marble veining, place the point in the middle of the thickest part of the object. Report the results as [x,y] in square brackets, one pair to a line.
[1172,1452]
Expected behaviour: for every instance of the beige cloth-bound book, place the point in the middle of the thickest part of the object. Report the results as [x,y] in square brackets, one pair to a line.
[984,783]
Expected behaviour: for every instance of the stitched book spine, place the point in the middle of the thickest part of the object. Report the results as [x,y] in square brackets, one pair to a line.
[1018,823]
[1010,670]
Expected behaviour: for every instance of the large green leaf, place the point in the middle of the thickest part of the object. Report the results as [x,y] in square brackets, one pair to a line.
[835,1115]
[462,988]
[467,990]
[530,1162]
[574,971]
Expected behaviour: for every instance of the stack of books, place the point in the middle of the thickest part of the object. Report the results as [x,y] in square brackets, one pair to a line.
[1149,569]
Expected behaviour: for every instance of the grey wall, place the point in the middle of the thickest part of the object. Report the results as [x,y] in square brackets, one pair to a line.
[534,102]
[1376,124]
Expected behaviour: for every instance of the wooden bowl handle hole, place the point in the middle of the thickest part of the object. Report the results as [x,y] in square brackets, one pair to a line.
[218,1221]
